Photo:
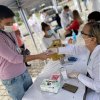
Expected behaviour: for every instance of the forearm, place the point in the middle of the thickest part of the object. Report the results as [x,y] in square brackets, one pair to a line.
[66,50]
[28,58]
[90,83]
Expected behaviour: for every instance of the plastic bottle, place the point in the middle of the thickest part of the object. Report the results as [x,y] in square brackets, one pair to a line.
[74,37]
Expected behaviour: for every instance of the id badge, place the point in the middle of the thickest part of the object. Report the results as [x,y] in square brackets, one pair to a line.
[18,49]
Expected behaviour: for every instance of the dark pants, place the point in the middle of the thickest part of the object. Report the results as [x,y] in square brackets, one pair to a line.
[70,34]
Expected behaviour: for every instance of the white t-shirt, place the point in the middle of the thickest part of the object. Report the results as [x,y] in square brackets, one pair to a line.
[48,41]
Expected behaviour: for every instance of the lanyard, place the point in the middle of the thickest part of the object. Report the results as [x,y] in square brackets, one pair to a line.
[10,37]
[13,40]
[88,59]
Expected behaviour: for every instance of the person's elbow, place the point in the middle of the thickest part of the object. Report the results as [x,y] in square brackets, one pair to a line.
[97,88]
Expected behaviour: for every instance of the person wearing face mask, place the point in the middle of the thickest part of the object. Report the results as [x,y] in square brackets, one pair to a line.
[8,29]
[91,36]
[13,72]
[66,16]
[49,35]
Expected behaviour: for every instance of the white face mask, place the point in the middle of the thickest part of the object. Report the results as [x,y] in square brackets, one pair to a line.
[81,41]
[50,32]
[8,29]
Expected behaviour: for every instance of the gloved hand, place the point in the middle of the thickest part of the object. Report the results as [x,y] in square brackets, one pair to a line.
[52,51]
[73,74]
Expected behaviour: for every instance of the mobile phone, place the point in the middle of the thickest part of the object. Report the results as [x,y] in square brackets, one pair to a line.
[70,87]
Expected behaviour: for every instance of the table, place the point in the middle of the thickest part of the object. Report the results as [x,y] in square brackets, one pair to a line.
[34,92]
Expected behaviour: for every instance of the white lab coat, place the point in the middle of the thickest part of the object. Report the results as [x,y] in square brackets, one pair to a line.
[93,69]
[45,18]
[66,18]
[95,5]
[42,18]
[34,23]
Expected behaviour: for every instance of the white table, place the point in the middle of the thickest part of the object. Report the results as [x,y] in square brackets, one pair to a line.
[34,92]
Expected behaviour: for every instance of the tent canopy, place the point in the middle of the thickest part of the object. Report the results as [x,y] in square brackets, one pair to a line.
[26,4]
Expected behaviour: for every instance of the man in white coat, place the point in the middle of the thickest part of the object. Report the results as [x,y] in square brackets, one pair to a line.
[45,17]
[66,16]
[34,23]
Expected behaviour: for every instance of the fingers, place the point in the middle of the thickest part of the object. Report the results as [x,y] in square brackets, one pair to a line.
[52,50]
[49,52]
[73,75]
[70,75]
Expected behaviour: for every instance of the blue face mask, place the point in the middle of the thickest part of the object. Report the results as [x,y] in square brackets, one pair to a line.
[50,32]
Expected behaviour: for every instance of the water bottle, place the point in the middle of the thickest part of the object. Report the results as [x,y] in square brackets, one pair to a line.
[63,72]
[74,37]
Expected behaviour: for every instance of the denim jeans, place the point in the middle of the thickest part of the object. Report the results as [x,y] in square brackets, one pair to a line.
[17,86]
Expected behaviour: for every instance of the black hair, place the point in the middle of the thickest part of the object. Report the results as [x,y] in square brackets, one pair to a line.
[5,12]
[66,7]
[95,16]
[45,10]
[44,25]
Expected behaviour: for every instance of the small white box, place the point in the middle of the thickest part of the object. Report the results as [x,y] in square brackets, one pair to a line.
[64,74]
[50,85]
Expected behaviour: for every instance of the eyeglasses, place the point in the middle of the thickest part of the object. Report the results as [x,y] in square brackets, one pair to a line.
[90,35]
